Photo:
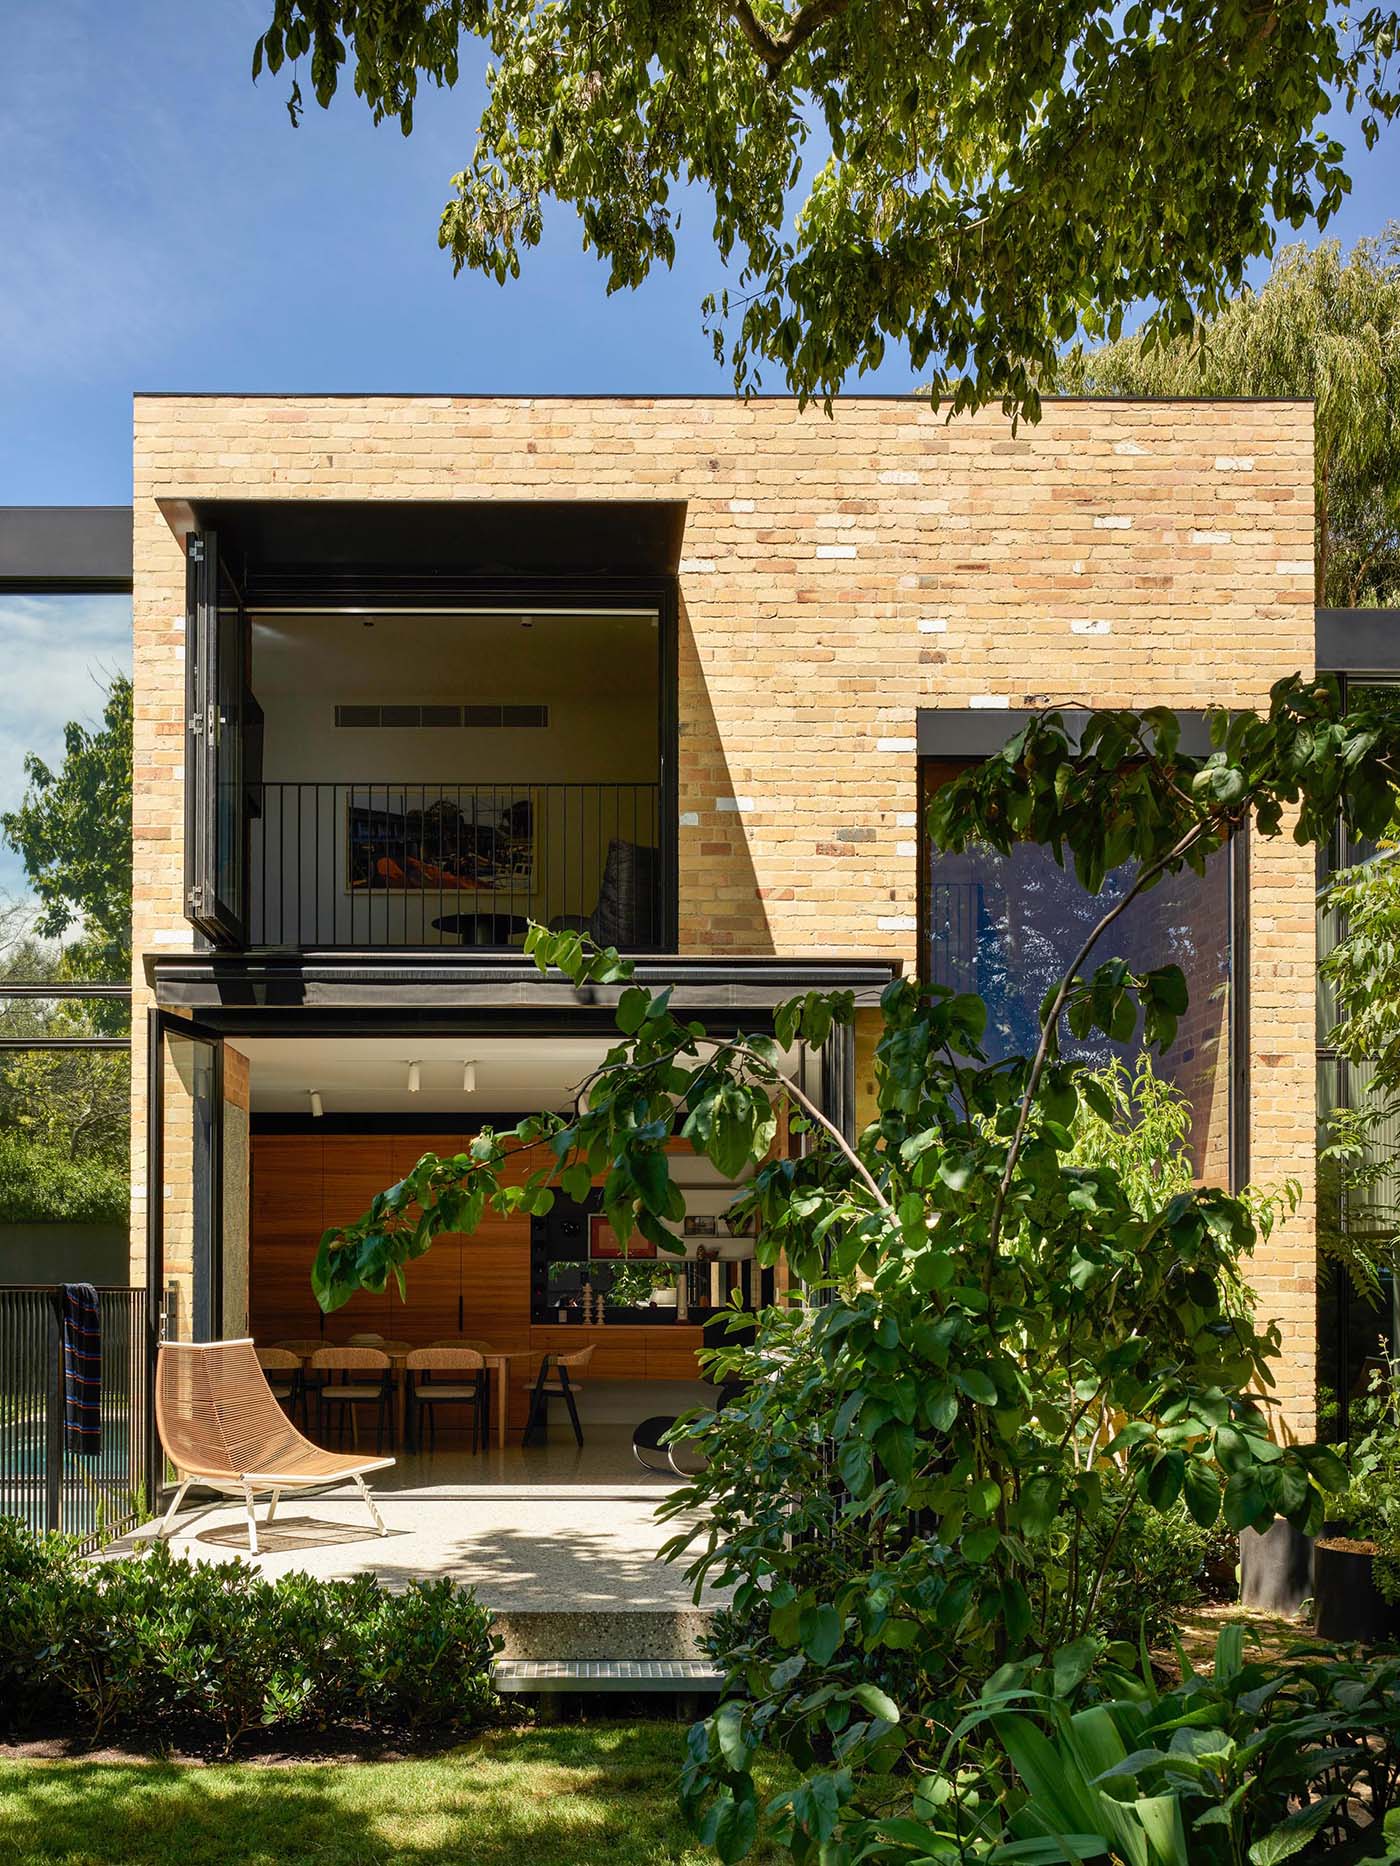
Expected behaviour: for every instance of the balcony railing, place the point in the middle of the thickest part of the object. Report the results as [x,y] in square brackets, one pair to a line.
[371,864]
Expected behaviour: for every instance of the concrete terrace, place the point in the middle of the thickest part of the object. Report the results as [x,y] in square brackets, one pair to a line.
[562,1543]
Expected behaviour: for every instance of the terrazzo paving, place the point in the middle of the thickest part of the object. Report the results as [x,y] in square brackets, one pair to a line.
[552,1530]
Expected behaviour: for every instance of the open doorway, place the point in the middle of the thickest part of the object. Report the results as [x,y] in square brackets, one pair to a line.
[333,1120]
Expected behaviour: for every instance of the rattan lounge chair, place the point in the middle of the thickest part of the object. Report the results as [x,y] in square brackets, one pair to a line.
[222,1427]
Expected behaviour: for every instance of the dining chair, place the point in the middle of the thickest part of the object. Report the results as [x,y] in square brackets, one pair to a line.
[305,1348]
[431,1383]
[283,1370]
[346,1394]
[559,1377]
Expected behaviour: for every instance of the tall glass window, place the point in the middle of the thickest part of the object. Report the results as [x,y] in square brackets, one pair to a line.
[1007,927]
[65,936]
[1357,1329]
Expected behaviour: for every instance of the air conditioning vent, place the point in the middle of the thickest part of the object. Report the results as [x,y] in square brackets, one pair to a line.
[432,713]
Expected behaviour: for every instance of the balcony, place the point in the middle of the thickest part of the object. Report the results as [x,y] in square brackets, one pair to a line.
[381,865]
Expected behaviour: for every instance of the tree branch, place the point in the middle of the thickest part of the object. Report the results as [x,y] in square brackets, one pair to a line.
[1052,1018]
[775,49]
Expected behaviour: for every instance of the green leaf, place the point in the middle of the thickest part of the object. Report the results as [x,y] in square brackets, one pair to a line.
[820,1633]
[731,1827]
[877,1702]
[575,1182]
[1201,1489]
[1293,1834]
[979,1387]
[632,1010]
[728,1726]
[979,1545]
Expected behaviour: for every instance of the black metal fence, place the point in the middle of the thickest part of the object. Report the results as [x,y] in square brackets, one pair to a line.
[374,864]
[41,1481]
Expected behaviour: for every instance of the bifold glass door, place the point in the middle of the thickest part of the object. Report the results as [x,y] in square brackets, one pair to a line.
[185,1180]
[215,684]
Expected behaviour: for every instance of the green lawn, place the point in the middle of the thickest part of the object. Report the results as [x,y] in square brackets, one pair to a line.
[564,1795]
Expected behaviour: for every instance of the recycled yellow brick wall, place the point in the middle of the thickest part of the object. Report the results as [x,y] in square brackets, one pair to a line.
[839,574]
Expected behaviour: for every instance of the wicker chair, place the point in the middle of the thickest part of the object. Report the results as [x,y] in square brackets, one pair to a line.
[221,1427]
[431,1384]
[346,1394]
[559,1378]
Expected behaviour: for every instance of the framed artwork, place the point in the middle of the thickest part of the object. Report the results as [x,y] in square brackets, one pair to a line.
[700,1225]
[603,1241]
[439,840]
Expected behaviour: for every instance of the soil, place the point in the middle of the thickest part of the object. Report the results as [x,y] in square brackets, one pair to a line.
[1267,1635]
[1347,1545]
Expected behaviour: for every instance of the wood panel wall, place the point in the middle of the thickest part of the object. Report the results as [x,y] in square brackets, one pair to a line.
[477,1286]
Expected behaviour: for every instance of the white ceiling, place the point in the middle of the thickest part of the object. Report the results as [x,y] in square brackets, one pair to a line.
[369,1075]
[510,657]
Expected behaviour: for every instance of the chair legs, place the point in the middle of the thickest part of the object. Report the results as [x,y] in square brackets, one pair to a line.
[425,1418]
[539,1405]
[375,1517]
[252,1520]
[167,1522]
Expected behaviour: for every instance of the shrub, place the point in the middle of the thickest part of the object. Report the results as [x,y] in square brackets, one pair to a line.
[1252,1761]
[1160,1564]
[42,1185]
[198,1651]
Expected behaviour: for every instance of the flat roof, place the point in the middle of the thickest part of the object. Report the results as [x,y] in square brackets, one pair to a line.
[65,549]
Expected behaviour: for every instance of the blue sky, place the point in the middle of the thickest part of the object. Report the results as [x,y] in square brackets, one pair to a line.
[163,227]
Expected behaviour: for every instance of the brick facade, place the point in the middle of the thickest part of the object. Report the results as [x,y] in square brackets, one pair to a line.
[839,574]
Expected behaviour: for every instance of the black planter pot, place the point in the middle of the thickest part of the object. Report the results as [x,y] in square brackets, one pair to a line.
[1276,1568]
[1349,1604]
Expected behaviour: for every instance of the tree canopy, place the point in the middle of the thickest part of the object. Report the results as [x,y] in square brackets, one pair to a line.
[982,182]
[73,830]
[1324,325]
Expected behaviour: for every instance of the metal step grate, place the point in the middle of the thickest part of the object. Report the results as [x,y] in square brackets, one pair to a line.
[530,1675]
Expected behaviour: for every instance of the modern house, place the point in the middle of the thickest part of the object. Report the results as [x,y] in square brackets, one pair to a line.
[412,671]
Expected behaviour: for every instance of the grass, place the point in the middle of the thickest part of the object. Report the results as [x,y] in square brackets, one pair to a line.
[562,1795]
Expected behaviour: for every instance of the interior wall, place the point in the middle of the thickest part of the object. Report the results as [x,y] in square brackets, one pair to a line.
[304,1182]
[598,676]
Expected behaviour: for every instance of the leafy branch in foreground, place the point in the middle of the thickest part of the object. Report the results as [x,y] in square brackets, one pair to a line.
[926,1478]
[976,182]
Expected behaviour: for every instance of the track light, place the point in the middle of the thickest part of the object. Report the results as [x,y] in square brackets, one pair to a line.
[415,1078]
[316,1109]
[469,1078]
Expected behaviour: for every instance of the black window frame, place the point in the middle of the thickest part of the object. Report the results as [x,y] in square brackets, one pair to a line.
[969,735]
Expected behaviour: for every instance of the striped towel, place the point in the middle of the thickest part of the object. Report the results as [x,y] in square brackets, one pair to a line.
[82,1369]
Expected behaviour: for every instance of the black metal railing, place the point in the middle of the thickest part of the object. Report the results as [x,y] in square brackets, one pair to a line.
[376,864]
[42,1481]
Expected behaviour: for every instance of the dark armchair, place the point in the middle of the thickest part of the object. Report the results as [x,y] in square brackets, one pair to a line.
[628,910]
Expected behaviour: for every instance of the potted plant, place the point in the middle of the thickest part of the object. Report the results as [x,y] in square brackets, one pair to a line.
[1356,1559]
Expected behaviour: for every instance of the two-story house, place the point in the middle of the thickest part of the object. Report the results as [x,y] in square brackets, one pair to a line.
[412,671]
